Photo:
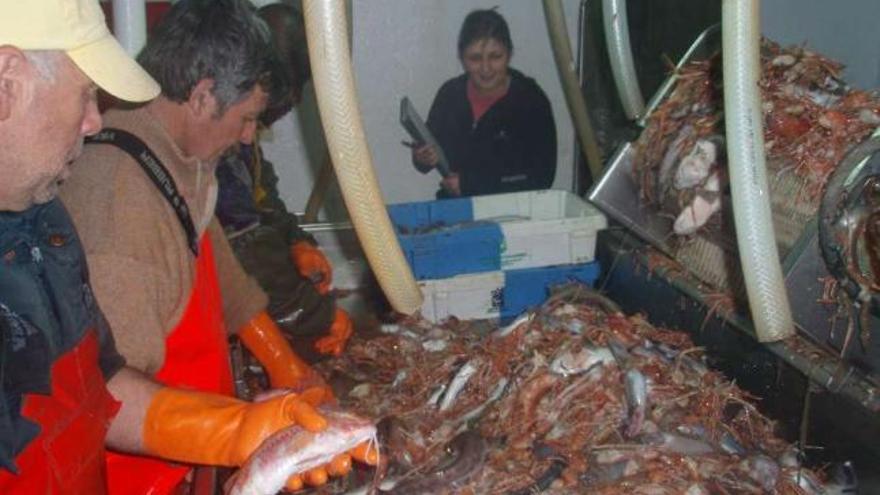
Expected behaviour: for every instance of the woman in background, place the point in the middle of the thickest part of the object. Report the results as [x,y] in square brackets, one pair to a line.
[494,124]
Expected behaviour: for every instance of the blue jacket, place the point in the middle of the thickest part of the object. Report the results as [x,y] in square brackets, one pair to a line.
[511,148]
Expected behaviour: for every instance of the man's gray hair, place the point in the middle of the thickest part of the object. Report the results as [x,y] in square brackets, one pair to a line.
[223,40]
[45,61]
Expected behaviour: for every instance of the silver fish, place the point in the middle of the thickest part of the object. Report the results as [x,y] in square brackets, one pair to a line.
[763,470]
[730,445]
[572,363]
[495,395]
[458,382]
[679,444]
[295,450]
[637,401]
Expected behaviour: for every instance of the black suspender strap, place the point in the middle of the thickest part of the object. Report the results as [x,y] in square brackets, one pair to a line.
[157,173]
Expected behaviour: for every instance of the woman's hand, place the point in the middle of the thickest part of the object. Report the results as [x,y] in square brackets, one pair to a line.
[451,185]
[426,156]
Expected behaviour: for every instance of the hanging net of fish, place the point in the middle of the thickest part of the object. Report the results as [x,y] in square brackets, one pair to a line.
[811,120]
[574,397]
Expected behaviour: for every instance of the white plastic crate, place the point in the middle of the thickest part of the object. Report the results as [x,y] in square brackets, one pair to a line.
[468,297]
[498,294]
[542,228]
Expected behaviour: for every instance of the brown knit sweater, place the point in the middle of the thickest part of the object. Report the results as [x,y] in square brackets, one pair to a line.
[140,264]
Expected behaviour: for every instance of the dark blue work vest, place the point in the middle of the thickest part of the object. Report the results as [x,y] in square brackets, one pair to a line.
[46,306]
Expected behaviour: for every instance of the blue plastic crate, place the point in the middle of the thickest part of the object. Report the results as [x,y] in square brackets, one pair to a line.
[440,239]
[531,286]
[410,216]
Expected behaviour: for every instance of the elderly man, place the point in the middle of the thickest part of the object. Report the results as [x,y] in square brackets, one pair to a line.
[143,202]
[265,237]
[65,389]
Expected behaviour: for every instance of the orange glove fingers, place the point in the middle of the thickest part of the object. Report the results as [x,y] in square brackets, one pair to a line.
[263,338]
[316,396]
[312,264]
[306,416]
[323,288]
[294,483]
[340,465]
[339,333]
[316,477]
[329,346]
[367,452]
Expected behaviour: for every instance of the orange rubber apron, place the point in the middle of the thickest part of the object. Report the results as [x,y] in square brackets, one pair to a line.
[197,357]
[68,454]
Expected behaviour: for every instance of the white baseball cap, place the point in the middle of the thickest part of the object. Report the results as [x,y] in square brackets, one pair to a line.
[78,28]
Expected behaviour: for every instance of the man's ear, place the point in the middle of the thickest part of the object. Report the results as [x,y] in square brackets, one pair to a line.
[201,101]
[12,78]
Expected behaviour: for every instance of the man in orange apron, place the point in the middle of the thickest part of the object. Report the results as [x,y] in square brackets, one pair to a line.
[143,202]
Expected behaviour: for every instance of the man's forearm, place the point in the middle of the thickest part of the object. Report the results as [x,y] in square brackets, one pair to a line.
[135,390]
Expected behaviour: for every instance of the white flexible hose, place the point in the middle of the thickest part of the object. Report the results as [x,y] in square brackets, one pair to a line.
[621,57]
[577,106]
[768,300]
[340,114]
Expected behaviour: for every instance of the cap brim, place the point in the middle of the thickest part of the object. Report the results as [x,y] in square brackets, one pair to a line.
[107,64]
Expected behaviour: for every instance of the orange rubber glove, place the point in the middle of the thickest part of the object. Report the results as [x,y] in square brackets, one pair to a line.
[339,332]
[204,428]
[312,264]
[263,338]
[212,429]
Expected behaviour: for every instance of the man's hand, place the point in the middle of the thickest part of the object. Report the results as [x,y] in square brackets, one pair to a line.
[212,429]
[426,156]
[262,337]
[451,184]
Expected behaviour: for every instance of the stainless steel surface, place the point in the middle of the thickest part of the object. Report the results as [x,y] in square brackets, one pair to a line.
[617,194]
[313,228]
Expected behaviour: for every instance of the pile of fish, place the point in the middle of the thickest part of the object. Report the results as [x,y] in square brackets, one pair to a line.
[811,120]
[574,397]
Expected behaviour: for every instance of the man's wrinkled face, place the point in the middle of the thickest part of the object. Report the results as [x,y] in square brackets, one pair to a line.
[237,125]
[53,117]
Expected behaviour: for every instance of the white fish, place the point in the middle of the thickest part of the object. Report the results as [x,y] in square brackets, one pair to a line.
[571,363]
[636,388]
[504,332]
[435,345]
[295,450]
[495,395]
[695,167]
[696,214]
[461,378]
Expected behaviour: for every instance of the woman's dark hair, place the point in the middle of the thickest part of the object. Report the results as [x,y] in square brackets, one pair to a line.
[223,40]
[484,24]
